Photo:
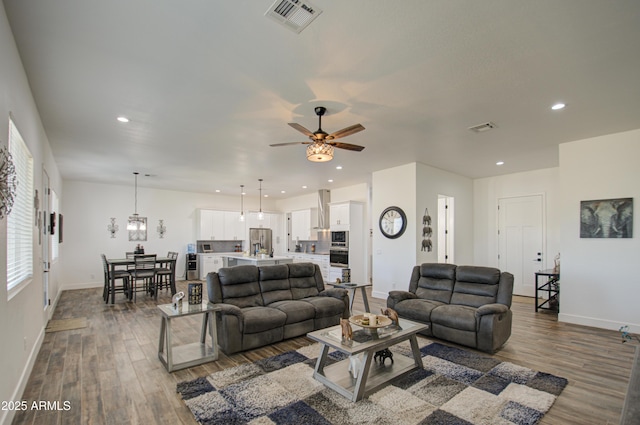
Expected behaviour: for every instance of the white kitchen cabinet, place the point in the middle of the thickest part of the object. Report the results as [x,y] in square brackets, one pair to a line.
[210,225]
[234,229]
[303,223]
[339,218]
[209,263]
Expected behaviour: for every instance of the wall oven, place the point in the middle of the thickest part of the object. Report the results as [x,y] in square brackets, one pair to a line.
[339,257]
[339,239]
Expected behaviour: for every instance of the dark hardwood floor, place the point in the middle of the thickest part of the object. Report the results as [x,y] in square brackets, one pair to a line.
[109,371]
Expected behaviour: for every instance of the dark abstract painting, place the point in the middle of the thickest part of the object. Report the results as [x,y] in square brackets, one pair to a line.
[606,218]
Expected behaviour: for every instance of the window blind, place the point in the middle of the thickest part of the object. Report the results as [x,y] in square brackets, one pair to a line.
[20,220]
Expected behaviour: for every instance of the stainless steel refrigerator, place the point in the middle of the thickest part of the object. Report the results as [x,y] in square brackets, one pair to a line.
[260,239]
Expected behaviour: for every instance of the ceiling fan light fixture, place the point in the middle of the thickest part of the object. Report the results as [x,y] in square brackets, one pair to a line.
[319,152]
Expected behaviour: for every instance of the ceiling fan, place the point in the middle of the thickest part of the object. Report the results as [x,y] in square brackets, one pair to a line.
[321,144]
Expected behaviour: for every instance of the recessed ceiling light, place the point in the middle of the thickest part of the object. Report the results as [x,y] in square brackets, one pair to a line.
[500,163]
[123,119]
[217,190]
[304,187]
[558,106]
[283,191]
[339,167]
[330,180]
[266,196]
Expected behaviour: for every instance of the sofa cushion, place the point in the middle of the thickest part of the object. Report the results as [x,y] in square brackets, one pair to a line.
[259,319]
[326,306]
[433,281]
[475,286]
[416,309]
[239,286]
[455,316]
[274,283]
[302,278]
[296,311]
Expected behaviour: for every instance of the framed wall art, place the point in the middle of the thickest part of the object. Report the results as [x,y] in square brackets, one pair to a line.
[139,234]
[606,218]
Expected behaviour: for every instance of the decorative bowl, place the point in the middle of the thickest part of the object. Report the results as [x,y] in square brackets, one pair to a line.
[383,321]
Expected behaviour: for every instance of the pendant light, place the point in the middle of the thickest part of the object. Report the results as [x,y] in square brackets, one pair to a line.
[260,214]
[135,222]
[241,202]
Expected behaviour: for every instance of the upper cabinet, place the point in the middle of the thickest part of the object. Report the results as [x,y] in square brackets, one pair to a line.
[339,216]
[220,225]
[254,223]
[303,223]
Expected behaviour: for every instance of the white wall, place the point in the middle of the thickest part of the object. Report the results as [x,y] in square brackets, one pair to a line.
[413,187]
[23,318]
[88,208]
[600,284]
[486,193]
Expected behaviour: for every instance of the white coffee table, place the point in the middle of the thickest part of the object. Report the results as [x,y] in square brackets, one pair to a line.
[371,377]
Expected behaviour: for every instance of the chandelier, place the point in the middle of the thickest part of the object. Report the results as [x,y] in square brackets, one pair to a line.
[319,152]
[135,222]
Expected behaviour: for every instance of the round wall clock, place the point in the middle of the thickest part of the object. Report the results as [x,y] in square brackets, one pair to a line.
[393,222]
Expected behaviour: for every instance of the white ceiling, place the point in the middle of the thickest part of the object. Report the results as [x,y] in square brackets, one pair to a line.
[208,85]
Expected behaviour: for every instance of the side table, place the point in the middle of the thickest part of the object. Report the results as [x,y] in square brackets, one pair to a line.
[351,288]
[552,289]
[193,354]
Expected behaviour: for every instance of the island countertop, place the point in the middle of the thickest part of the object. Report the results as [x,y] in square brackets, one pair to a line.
[240,260]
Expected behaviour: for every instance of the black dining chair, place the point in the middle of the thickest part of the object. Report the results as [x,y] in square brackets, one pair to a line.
[110,290]
[144,270]
[166,272]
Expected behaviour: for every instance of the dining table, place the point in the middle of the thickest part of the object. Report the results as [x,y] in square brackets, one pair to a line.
[113,263]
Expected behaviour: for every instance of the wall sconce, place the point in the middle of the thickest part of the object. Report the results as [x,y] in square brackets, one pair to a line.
[113,227]
[162,229]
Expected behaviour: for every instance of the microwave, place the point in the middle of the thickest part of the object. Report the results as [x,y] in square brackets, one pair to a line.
[340,238]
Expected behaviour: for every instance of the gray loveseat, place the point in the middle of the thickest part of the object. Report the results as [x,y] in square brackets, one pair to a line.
[264,305]
[468,305]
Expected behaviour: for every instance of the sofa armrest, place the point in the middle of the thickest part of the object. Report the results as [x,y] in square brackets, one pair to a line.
[232,310]
[340,294]
[396,296]
[491,309]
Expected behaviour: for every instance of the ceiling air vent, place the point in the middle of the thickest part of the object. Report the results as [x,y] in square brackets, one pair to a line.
[293,14]
[483,127]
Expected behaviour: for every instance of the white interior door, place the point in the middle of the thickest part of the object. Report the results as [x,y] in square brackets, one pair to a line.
[521,240]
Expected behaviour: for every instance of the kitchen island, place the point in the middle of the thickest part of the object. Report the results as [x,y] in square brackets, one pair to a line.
[241,260]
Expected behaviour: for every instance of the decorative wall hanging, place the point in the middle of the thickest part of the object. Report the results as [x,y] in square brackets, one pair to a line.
[60,222]
[427,231]
[162,229]
[606,218]
[113,227]
[139,234]
[8,182]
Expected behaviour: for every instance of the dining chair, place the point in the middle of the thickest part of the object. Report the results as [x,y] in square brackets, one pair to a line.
[109,289]
[167,271]
[144,270]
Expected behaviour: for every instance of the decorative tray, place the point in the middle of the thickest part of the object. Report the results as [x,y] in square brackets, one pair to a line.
[382,321]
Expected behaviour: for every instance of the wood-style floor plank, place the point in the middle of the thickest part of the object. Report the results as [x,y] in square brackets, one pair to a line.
[110,372]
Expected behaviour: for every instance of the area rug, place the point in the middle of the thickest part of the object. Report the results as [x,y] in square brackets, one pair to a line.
[455,387]
[66,324]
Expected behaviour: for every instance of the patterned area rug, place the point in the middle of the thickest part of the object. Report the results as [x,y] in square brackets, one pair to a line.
[455,387]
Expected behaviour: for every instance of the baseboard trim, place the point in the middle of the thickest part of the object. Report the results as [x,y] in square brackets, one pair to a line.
[8,415]
[87,285]
[596,323]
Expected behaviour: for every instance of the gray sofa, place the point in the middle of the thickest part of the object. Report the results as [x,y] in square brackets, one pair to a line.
[264,305]
[467,305]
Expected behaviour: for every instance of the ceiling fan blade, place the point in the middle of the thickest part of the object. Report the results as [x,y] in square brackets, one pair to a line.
[301,129]
[290,143]
[345,131]
[347,146]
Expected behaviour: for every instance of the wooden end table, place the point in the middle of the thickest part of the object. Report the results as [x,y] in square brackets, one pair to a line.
[351,287]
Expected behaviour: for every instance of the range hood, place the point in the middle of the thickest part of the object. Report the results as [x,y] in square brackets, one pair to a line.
[324,197]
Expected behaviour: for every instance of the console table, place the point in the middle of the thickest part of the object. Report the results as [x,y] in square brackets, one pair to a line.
[548,282]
